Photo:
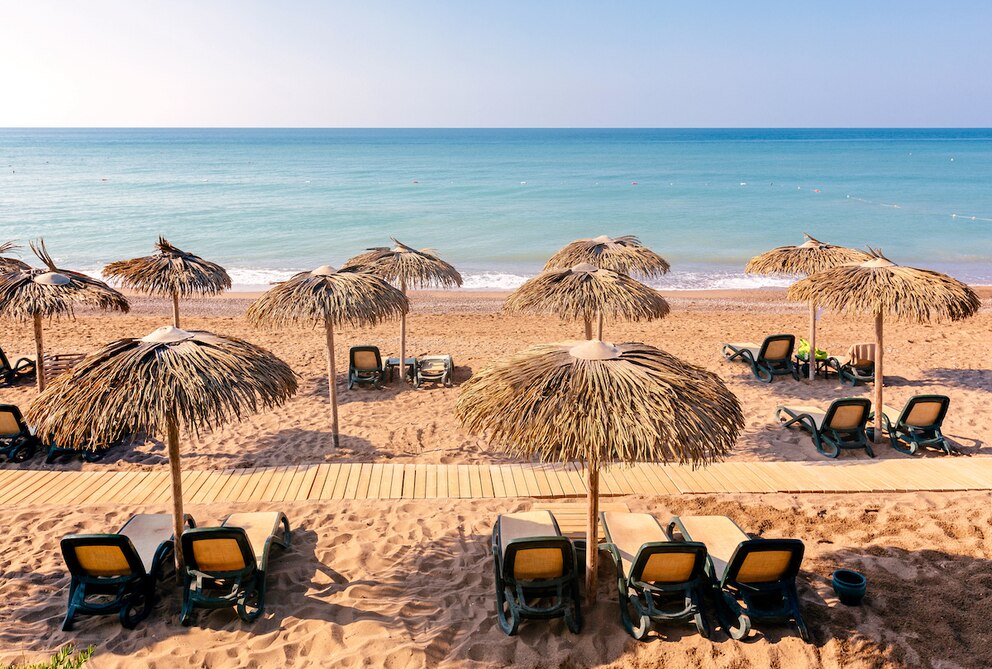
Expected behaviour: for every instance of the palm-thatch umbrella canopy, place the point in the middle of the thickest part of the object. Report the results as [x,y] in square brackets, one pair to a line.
[330,298]
[407,267]
[8,264]
[171,272]
[598,403]
[625,254]
[585,291]
[808,258]
[169,381]
[34,294]
[880,287]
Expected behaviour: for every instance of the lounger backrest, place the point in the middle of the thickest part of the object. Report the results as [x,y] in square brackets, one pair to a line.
[925,411]
[11,422]
[101,556]
[218,550]
[669,562]
[366,358]
[862,355]
[765,561]
[538,559]
[527,556]
[777,347]
[847,415]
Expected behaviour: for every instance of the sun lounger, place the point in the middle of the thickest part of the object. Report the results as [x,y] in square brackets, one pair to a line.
[437,368]
[117,573]
[857,365]
[752,578]
[226,565]
[17,444]
[771,358]
[365,366]
[659,579]
[392,364]
[840,426]
[9,374]
[918,424]
[536,572]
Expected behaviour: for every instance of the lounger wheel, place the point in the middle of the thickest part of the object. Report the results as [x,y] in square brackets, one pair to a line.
[250,607]
[739,629]
[827,449]
[509,619]
[23,452]
[135,610]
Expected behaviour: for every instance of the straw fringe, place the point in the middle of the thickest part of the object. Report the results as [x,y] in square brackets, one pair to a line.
[804,259]
[8,264]
[170,271]
[403,264]
[130,386]
[21,298]
[645,406]
[346,296]
[905,293]
[623,254]
[578,295]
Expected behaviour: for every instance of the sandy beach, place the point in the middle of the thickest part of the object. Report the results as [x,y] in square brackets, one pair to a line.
[409,583]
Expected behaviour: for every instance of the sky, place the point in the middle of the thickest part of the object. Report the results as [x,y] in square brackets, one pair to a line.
[535,63]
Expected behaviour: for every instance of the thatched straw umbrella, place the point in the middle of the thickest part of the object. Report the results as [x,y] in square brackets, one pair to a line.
[329,298]
[8,264]
[583,292]
[598,403]
[408,268]
[626,255]
[171,272]
[34,294]
[623,254]
[167,382]
[880,287]
[808,258]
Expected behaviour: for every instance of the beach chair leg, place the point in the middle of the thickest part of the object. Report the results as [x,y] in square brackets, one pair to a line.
[506,615]
[137,605]
[702,626]
[573,612]
[797,615]
[74,598]
[186,613]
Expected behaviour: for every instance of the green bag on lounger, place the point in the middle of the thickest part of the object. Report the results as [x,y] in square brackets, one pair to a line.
[802,351]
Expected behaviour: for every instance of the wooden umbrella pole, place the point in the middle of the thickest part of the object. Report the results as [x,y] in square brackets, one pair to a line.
[812,341]
[403,337]
[592,533]
[599,332]
[588,323]
[175,309]
[332,387]
[178,518]
[879,378]
[39,353]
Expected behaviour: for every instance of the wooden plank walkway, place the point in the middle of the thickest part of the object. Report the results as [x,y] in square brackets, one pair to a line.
[297,483]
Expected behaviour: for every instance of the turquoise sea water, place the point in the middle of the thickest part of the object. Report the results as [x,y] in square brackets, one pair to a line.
[497,203]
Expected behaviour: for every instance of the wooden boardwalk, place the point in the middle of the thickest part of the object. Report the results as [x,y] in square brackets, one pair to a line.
[22,487]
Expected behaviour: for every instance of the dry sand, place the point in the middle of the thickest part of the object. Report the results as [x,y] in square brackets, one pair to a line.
[409,584]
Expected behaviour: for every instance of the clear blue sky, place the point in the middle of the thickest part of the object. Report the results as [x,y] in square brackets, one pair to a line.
[507,63]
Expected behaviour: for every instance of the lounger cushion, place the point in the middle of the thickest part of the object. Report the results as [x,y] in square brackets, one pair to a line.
[764,566]
[8,424]
[147,531]
[365,361]
[97,560]
[630,531]
[721,535]
[749,345]
[535,563]
[924,413]
[777,350]
[214,555]
[259,526]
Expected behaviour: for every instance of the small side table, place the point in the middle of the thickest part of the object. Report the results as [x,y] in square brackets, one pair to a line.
[822,367]
[389,367]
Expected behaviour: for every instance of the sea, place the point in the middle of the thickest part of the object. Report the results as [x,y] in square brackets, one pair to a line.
[496,203]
